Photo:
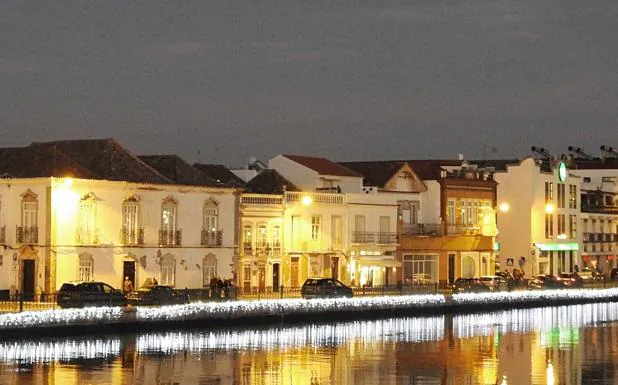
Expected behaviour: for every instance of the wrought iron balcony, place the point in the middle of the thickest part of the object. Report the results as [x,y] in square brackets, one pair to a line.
[170,237]
[463,230]
[27,235]
[132,236]
[212,238]
[247,249]
[86,237]
[424,229]
[600,237]
[374,237]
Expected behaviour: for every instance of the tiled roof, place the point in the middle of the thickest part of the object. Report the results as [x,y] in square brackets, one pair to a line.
[177,170]
[375,173]
[323,166]
[43,162]
[220,174]
[269,181]
[105,158]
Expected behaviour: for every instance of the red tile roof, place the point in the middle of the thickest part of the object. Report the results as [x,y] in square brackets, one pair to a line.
[177,170]
[323,166]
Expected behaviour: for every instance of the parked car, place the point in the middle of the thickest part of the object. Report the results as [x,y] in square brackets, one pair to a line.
[156,295]
[83,294]
[547,281]
[325,288]
[571,280]
[469,285]
[494,282]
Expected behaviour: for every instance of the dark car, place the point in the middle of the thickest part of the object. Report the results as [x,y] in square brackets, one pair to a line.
[157,295]
[325,288]
[547,281]
[572,280]
[470,285]
[83,294]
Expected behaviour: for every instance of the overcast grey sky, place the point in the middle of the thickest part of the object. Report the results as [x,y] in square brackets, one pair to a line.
[349,80]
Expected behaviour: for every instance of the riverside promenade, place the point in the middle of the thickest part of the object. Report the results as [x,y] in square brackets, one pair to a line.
[206,315]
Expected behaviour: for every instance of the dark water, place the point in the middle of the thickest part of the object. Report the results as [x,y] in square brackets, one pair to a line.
[559,345]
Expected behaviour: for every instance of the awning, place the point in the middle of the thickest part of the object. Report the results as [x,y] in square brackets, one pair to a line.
[557,246]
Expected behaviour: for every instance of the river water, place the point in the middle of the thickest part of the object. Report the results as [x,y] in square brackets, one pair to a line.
[558,345]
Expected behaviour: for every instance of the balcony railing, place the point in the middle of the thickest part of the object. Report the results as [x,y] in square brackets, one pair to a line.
[294,196]
[374,237]
[170,237]
[600,237]
[86,237]
[463,230]
[132,236]
[3,234]
[428,229]
[27,234]
[212,238]
[261,199]
[247,248]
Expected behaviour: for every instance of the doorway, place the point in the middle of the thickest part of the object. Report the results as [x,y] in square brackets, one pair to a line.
[294,272]
[335,267]
[451,268]
[276,277]
[27,279]
[262,277]
[128,270]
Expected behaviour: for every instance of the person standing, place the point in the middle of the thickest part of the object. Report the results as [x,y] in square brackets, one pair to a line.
[127,285]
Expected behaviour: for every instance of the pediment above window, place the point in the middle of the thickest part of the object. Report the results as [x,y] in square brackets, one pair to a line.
[132,198]
[29,195]
[91,197]
[169,199]
[210,202]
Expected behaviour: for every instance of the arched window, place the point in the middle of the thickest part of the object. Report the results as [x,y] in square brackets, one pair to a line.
[87,219]
[467,267]
[247,237]
[209,268]
[168,235]
[131,233]
[168,270]
[86,267]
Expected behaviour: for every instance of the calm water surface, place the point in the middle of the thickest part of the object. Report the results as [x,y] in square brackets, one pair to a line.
[559,345]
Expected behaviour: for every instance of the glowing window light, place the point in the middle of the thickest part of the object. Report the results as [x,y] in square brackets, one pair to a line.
[307,200]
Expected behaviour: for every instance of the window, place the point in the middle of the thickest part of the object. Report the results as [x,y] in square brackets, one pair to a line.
[168,233]
[131,234]
[262,235]
[561,195]
[316,222]
[209,268]
[336,229]
[407,211]
[28,232]
[276,238]
[247,236]
[86,222]
[420,264]
[561,224]
[211,216]
[572,226]
[86,263]
[549,192]
[468,267]
[572,196]
[587,179]
[549,226]
[450,212]
[168,270]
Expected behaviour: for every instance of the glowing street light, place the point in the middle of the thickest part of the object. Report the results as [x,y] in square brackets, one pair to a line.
[307,200]
[504,207]
[550,208]
[68,182]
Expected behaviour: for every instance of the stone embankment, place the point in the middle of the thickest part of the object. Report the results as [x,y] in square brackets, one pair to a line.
[270,312]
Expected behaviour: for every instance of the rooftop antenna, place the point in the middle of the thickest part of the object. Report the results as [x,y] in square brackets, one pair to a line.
[579,153]
[610,151]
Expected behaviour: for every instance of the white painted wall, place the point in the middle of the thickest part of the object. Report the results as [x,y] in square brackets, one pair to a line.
[302,177]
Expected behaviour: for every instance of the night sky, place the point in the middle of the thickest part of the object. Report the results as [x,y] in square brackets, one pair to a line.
[220,81]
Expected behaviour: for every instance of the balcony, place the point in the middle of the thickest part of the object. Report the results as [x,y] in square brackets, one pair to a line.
[86,237]
[423,229]
[324,198]
[170,237]
[247,248]
[600,237]
[261,199]
[132,236]
[463,230]
[381,238]
[212,238]
[27,235]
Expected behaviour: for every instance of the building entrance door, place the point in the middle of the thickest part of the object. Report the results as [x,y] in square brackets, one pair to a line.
[27,279]
[451,268]
[128,270]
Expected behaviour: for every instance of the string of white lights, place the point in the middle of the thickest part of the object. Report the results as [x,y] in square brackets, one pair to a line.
[298,307]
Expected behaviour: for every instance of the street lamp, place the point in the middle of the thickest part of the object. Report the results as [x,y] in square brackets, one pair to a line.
[307,200]
[504,207]
[550,208]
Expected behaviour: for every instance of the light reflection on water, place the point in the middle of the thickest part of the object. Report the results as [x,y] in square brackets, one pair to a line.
[560,345]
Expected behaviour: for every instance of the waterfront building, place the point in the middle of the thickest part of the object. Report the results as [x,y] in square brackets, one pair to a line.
[91,210]
[538,202]
[446,218]
[599,208]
